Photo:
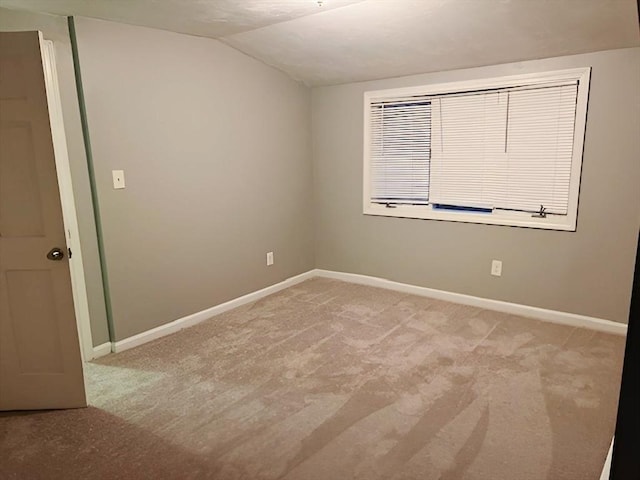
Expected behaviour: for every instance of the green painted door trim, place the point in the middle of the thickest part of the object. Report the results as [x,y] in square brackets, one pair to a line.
[92,177]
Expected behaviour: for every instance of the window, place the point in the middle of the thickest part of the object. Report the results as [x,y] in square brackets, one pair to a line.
[505,151]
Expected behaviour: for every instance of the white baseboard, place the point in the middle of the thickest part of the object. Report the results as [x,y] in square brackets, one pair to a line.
[564,318]
[198,317]
[553,316]
[101,351]
[606,471]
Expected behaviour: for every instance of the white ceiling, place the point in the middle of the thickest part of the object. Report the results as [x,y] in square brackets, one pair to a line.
[353,40]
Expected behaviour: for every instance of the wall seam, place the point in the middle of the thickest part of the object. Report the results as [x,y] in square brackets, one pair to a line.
[92,178]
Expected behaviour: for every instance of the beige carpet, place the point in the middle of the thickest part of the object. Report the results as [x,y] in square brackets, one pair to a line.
[329,380]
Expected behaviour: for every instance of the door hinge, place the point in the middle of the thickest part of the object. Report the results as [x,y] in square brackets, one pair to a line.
[70,254]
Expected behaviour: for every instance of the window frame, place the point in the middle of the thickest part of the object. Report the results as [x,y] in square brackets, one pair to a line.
[506,218]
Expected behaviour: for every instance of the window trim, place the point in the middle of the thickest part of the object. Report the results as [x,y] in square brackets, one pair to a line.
[506,218]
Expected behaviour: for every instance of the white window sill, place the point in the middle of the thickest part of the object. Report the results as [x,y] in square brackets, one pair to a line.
[512,219]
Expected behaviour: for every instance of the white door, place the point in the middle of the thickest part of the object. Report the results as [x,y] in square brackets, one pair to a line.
[40,361]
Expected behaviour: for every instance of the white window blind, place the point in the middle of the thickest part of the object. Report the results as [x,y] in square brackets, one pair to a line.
[469,160]
[400,149]
[540,139]
[510,149]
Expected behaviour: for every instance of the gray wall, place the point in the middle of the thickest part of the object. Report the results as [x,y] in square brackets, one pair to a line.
[55,28]
[587,272]
[217,158]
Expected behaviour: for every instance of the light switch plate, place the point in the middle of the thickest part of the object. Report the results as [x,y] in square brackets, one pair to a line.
[496,268]
[118,179]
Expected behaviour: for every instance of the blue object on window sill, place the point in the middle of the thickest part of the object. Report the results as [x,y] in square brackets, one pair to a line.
[461,208]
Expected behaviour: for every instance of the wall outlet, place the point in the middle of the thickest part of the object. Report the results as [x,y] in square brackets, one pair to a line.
[496,268]
[269,259]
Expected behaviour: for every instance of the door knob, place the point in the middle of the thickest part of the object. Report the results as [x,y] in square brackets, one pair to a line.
[55,254]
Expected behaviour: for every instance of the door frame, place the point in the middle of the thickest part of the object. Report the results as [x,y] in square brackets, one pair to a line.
[67,199]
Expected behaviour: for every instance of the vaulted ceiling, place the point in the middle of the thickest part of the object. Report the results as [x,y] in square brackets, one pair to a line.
[352,40]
